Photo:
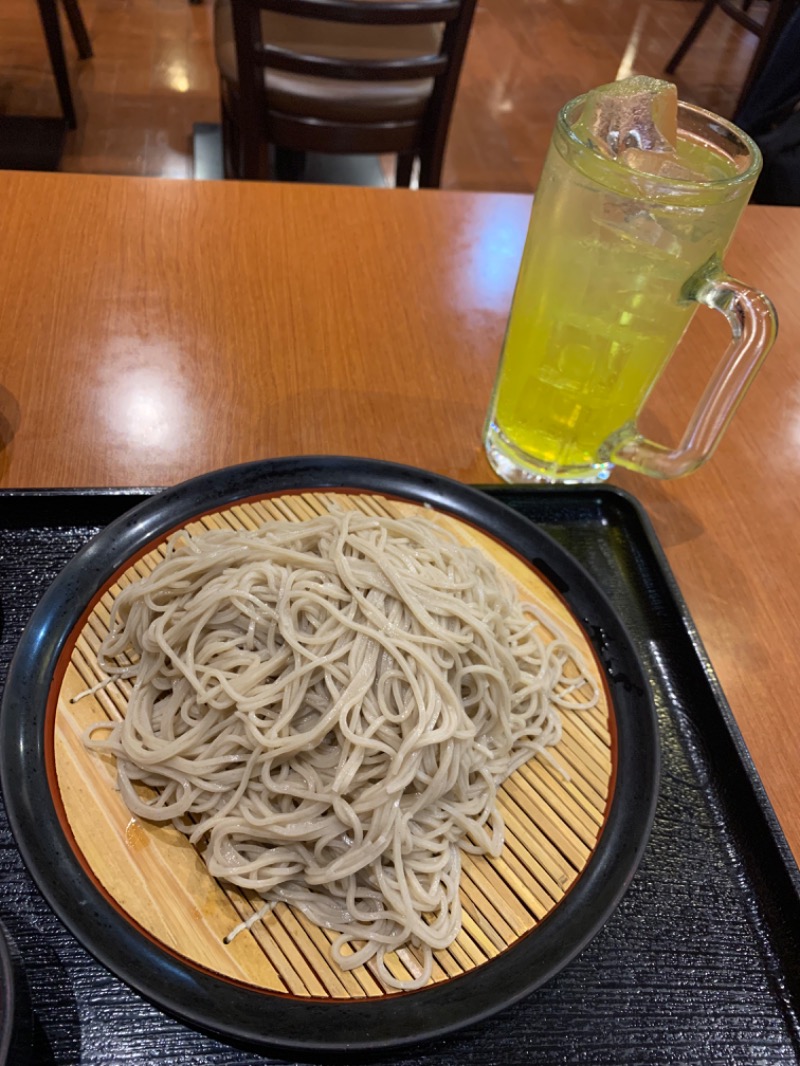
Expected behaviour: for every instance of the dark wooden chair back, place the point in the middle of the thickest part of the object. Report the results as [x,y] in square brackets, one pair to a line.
[254,122]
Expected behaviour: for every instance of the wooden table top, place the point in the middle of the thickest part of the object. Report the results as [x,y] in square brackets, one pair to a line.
[152,330]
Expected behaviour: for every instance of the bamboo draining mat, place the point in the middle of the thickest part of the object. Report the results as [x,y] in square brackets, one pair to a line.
[155,877]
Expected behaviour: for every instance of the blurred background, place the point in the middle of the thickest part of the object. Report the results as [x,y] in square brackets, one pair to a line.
[152,81]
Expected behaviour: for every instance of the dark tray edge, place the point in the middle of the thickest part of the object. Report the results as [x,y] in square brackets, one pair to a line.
[760,841]
[778,902]
[759,792]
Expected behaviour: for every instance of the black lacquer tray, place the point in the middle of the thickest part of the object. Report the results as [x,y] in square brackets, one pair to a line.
[700,963]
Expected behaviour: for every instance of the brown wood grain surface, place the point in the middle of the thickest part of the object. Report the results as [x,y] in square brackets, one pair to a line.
[152,330]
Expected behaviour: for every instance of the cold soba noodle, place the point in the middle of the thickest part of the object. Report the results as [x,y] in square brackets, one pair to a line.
[327,708]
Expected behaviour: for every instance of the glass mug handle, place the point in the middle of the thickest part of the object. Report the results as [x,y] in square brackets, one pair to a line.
[754,326]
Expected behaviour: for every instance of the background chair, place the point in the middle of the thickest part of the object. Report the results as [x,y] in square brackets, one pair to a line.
[342,76]
[767,30]
[48,15]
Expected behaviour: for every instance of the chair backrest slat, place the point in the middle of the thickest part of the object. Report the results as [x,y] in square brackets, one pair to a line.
[368,137]
[368,12]
[352,70]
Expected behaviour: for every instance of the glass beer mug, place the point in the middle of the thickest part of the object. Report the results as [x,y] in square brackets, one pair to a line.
[626,238]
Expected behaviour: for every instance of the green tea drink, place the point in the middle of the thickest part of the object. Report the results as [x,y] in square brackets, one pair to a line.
[602,295]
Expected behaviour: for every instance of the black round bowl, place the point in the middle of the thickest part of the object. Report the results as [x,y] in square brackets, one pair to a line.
[281,1022]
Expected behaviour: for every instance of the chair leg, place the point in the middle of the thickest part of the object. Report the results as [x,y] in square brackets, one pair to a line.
[78,27]
[48,15]
[691,36]
[404,170]
[290,164]
[229,144]
[253,155]
[255,161]
[430,166]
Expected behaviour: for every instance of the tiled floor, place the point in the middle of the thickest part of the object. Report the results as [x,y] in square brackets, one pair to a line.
[153,76]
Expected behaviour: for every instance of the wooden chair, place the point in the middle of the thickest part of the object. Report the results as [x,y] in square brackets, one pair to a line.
[767,31]
[342,76]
